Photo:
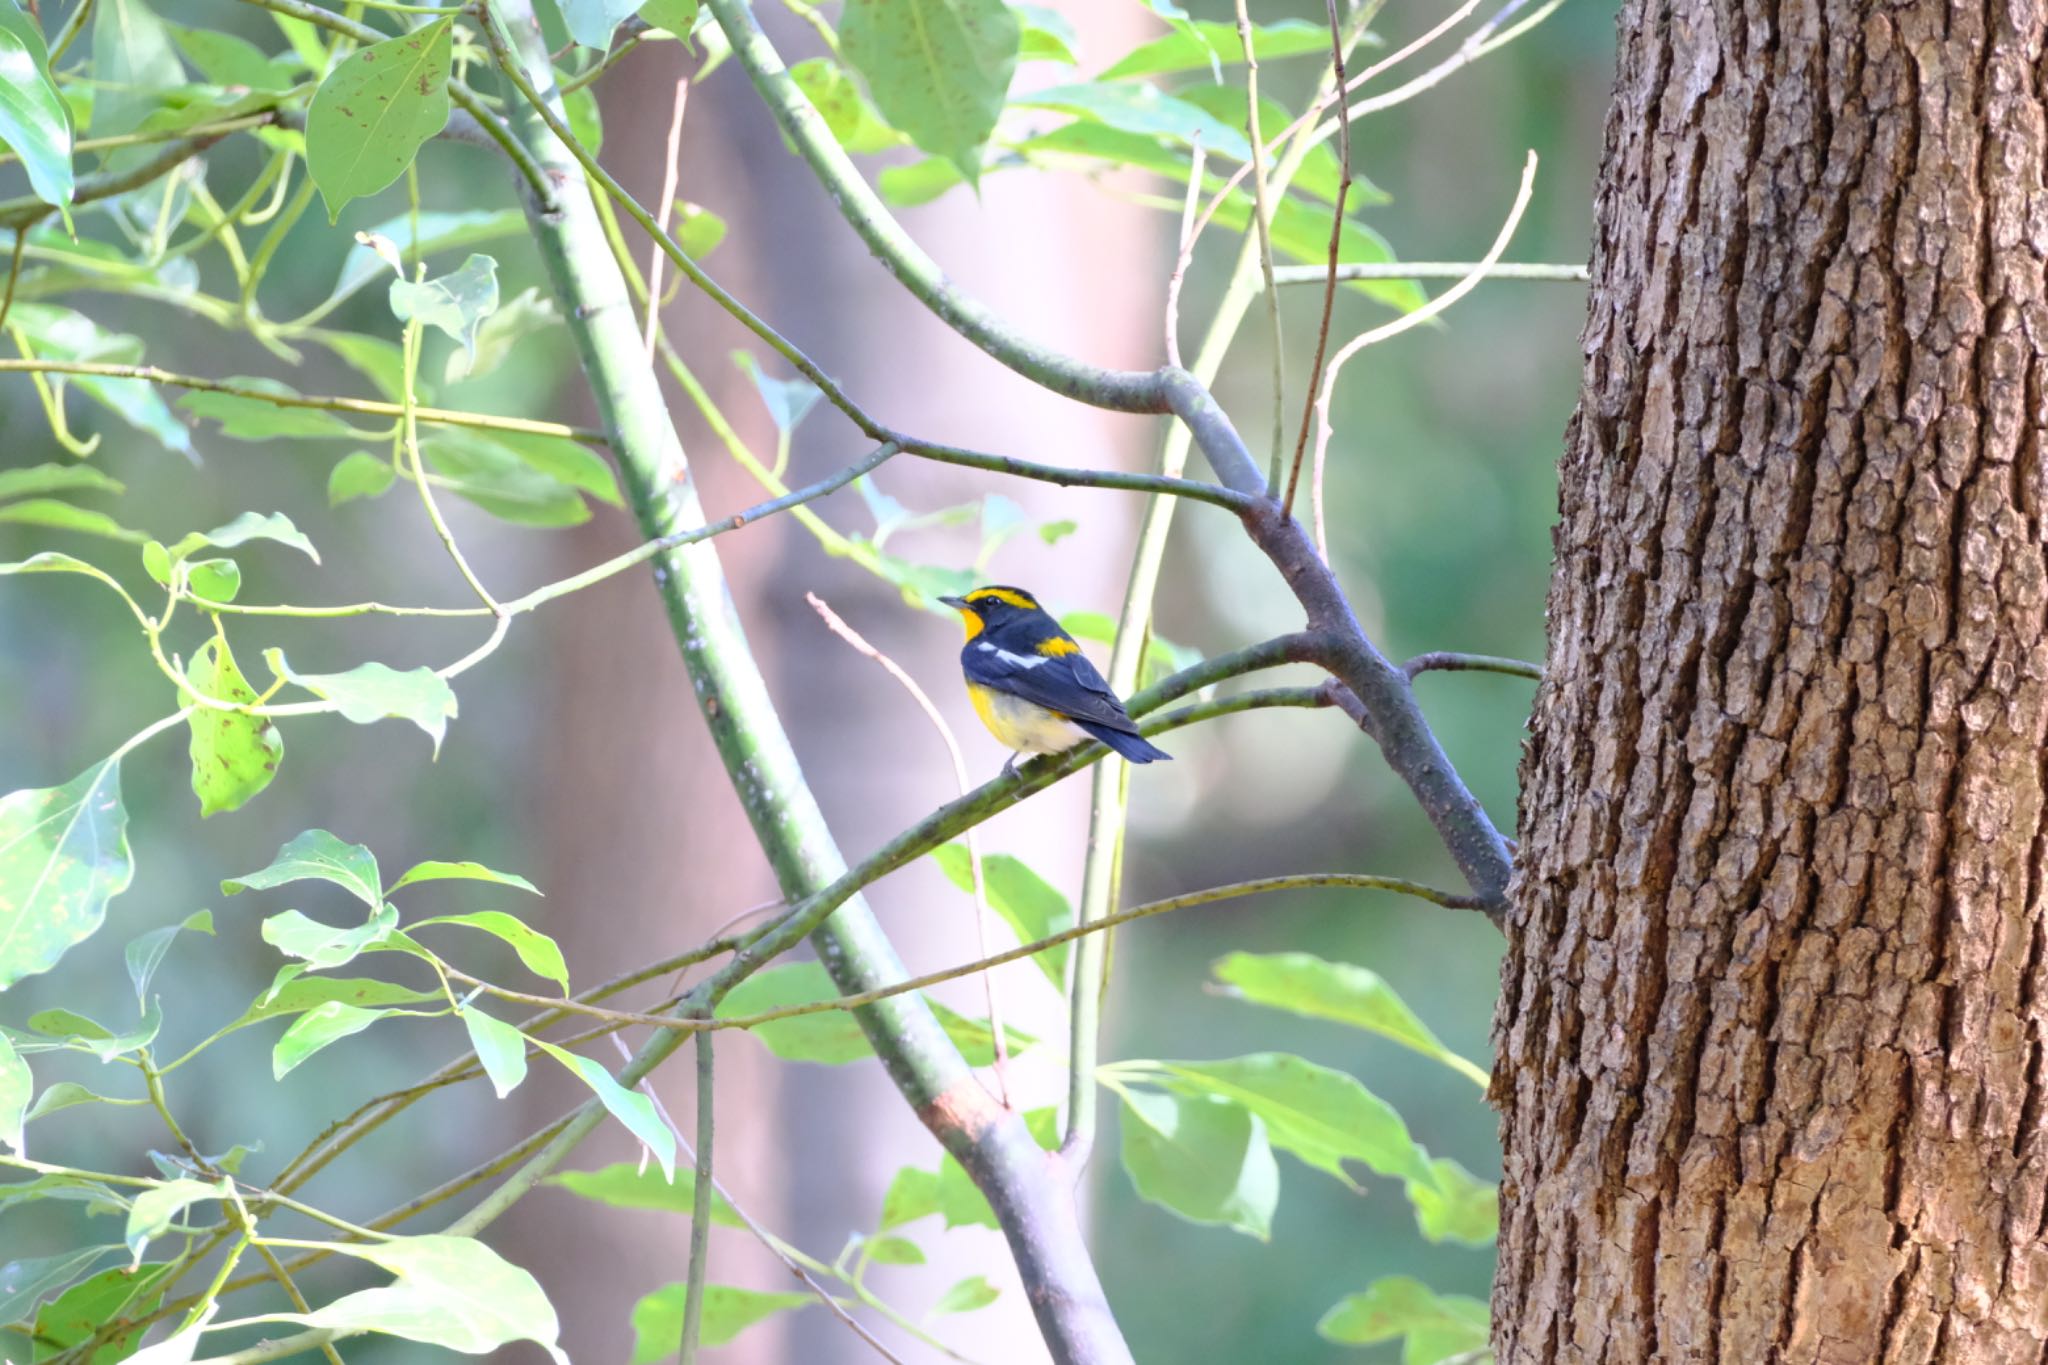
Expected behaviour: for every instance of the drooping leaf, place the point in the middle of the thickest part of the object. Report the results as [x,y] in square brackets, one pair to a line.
[273,526]
[316,855]
[438,231]
[88,1308]
[1434,1325]
[536,950]
[1196,46]
[432,871]
[54,478]
[629,1185]
[1322,1116]
[321,946]
[457,303]
[1030,905]
[245,418]
[450,1291]
[1452,1205]
[500,1047]
[375,110]
[359,474]
[1304,984]
[1202,1157]
[939,70]
[846,111]
[315,1029]
[146,951]
[529,313]
[234,756]
[966,1296]
[34,122]
[372,692]
[63,333]
[158,1206]
[727,1311]
[64,516]
[629,1107]
[16,1085]
[63,855]
[788,401]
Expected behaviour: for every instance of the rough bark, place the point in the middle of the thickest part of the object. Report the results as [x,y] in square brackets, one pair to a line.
[1771,1031]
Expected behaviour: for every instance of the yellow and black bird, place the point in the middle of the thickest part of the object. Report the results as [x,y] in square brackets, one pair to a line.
[1030,683]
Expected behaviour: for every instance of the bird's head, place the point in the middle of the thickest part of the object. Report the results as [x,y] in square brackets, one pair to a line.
[992,606]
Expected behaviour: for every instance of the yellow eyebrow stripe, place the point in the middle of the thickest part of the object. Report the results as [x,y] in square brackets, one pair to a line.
[1016,599]
[1057,646]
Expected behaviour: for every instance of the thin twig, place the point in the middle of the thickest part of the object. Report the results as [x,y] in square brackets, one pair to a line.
[1432,270]
[700,1210]
[838,626]
[1186,253]
[1315,368]
[656,260]
[1444,661]
[1262,217]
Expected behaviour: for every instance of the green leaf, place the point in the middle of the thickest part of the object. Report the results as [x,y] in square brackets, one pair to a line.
[63,856]
[1046,35]
[678,17]
[234,756]
[1162,656]
[274,526]
[727,1311]
[961,1202]
[966,1296]
[939,70]
[451,1291]
[539,953]
[1304,984]
[629,1107]
[918,183]
[322,946]
[1320,1115]
[912,1194]
[214,580]
[528,313]
[1053,532]
[374,112]
[132,62]
[61,333]
[438,231]
[25,1283]
[1454,1206]
[895,1251]
[68,1025]
[224,59]
[837,98]
[359,475]
[564,461]
[84,1311]
[698,230]
[180,1347]
[157,1207]
[500,1047]
[316,855]
[1320,171]
[372,692]
[68,1094]
[1186,50]
[1030,905]
[975,1039]
[629,1185]
[16,1085]
[590,22]
[1396,1307]
[830,1037]
[145,952]
[63,516]
[34,122]
[1203,1158]
[457,302]
[315,1029]
[53,478]
[252,419]
[493,475]
[1136,107]
[296,995]
[788,401]
[474,872]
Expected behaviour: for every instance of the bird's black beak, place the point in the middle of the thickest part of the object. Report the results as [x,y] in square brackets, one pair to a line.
[957,603]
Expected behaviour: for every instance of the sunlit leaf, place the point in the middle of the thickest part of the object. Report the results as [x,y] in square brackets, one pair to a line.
[234,756]
[316,855]
[831,1037]
[214,580]
[272,526]
[590,22]
[1452,1205]
[64,334]
[63,855]
[69,1095]
[89,1308]
[536,950]
[698,230]
[1435,1325]
[961,1202]
[1322,1116]
[33,120]
[1304,984]
[727,1311]
[252,419]
[322,946]
[145,952]
[157,1207]
[631,1185]
[1137,107]
[451,1291]
[966,1296]
[438,231]
[432,871]
[894,1251]
[372,692]
[315,1029]
[296,995]
[1046,35]
[938,70]
[1197,45]
[54,478]
[1030,905]
[912,1194]
[846,111]
[132,60]
[500,1047]
[495,476]
[677,16]
[1202,1157]
[16,1085]
[64,516]
[375,110]
[629,1107]
[530,312]
[457,303]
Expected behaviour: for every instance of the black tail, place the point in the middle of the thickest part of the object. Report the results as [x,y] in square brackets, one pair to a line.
[1134,747]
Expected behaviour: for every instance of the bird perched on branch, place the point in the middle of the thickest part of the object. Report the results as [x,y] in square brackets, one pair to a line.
[1031,685]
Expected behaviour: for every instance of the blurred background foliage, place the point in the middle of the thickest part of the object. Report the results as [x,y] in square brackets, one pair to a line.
[1441,497]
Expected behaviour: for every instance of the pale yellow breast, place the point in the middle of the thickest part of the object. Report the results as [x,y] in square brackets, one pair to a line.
[1022,725]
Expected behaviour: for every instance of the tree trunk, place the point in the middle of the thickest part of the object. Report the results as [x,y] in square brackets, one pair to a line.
[1771,1030]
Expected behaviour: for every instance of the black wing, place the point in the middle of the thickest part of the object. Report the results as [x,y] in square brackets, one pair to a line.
[1066,683]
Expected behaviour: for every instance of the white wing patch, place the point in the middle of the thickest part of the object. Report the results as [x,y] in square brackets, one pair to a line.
[1014,660]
